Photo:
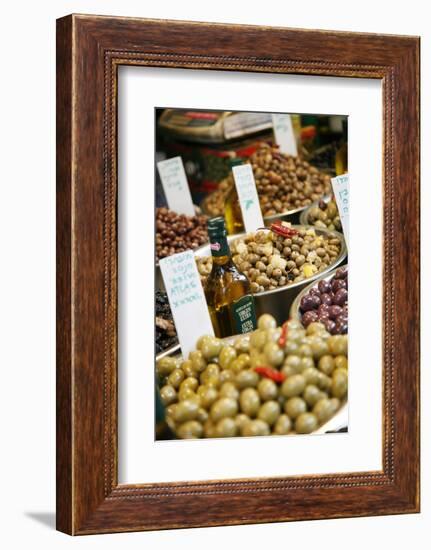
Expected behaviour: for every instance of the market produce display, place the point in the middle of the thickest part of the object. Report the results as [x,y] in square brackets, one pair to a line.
[283,182]
[324,215]
[177,232]
[274,381]
[166,335]
[327,303]
[279,256]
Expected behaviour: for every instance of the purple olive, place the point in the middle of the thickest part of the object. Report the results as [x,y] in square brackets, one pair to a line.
[316,301]
[315,290]
[334,312]
[323,308]
[326,299]
[307,303]
[340,297]
[341,327]
[329,325]
[337,284]
[324,286]
[309,317]
[341,273]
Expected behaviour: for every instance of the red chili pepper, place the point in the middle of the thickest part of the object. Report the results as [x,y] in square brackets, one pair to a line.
[272,374]
[283,335]
[285,231]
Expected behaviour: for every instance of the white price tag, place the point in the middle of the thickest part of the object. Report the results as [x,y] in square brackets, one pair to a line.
[284,134]
[175,186]
[340,187]
[186,299]
[248,198]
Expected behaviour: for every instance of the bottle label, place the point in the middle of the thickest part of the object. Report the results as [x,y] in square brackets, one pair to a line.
[244,315]
[220,248]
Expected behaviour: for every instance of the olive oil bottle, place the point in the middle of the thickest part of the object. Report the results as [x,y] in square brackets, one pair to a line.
[227,290]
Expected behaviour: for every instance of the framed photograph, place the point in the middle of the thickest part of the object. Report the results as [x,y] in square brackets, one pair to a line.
[237,274]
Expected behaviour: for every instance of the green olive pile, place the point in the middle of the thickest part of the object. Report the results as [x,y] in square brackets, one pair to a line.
[271,261]
[325,215]
[276,380]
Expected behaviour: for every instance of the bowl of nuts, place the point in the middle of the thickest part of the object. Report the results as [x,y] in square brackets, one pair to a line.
[280,262]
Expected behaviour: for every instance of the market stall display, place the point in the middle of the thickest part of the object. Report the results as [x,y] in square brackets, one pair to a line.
[166,335]
[325,301]
[323,213]
[275,381]
[177,232]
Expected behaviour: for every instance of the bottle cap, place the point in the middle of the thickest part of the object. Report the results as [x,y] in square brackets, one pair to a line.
[216,227]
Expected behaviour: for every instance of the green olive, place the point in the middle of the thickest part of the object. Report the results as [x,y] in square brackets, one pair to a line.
[226,356]
[237,365]
[247,378]
[283,425]
[257,360]
[287,371]
[186,410]
[266,321]
[228,389]
[267,389]
[305,350]
[291,347]
[258,339]
[340,362]
[319,347]
[226,427]
[240,420]
[211,348]
[306,423]
[293,361]
[166,365]
[202,415]
[211,370]
[269,412]
[175,378]
[255,427]
[273,334]
[312,394]
[325,408]
[185,393]
[311,375]
[225,406]
[209,428]
[315,328]
[274,355]
[294,324]
[294,385]
[337,344]
[203,340]
[295,406]
[190,382]
[306,363]
[249,401]
[208,395]
[190,430]
[339,384]
[168,395]
[326,364]
[323,382]
[198,361]
[170,410]
[226,376]
[187,368]
[242,344]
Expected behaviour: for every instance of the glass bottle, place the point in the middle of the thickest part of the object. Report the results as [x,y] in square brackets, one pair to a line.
[341,155]
[232,213]
[227,290]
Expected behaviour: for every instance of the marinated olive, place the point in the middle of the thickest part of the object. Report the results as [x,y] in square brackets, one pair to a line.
[267,389]
[269,412]
[326,364]
[246,379]
[325,408]
[283,425]
[198,361]
[226,427]
[168,395]
[294,385]
[306,423]
[295,406]
[339,384]
[226,406]
[208,395]
[228,389]
[190,430]
[312,395]
[175,378]
[273,354]
[226,356]
[266,321]
[211,347]
[166,365]
[255,427]
[186,410]
[249,401]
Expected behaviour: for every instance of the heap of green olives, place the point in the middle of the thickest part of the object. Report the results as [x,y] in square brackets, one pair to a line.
[273,381]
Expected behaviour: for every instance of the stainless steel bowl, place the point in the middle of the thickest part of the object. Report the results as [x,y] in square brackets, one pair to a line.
[278,301]
[303,217]
[338,422]
[294,308]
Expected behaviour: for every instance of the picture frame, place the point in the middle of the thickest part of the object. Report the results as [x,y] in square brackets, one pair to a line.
[89,51]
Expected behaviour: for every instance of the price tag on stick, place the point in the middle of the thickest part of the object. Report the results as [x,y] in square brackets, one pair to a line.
[248,198]
[186,299]
[340,187]
[284,135]
[176,186]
